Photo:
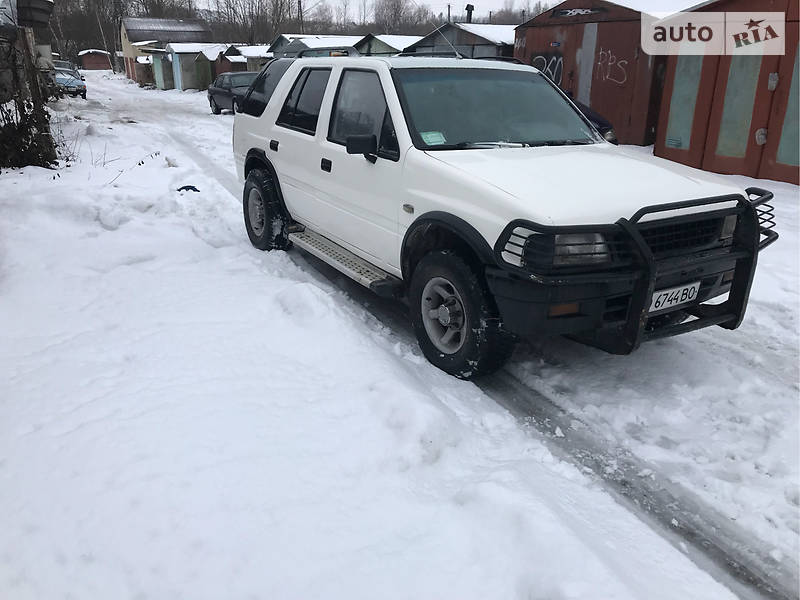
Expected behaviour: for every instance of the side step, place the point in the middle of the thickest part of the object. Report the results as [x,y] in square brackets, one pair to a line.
[344,261]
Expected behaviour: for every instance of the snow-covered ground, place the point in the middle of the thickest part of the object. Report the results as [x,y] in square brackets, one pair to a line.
[182,416]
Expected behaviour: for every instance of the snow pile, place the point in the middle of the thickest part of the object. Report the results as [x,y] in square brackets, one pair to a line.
[182,416]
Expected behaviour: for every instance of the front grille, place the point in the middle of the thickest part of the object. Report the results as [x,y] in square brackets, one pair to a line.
[682,238]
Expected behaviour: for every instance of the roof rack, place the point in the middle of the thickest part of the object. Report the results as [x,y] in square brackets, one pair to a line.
[330,51]
[432,53]
[509,59]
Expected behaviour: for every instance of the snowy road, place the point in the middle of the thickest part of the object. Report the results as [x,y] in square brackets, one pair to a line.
[182,416]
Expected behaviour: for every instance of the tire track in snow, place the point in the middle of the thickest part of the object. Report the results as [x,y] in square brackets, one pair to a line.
[692,526]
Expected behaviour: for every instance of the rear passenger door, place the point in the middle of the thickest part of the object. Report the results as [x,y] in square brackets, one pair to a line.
[359,197]
[295,150]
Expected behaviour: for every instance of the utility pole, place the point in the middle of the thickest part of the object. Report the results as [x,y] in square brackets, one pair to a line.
[523,15]
[490,16]
[300,15]
[448,13]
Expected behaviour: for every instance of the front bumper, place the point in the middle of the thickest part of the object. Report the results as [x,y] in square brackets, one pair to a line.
[613,311]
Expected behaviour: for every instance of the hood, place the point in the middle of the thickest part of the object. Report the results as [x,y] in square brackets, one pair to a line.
[573,185]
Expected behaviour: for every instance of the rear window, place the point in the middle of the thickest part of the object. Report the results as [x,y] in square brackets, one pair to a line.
[301,109]
[242,79]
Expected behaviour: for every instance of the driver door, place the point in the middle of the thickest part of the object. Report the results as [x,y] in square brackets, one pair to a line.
[360,196]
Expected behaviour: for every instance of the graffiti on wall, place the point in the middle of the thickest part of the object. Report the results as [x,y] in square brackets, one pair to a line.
[610,67]
[551,64]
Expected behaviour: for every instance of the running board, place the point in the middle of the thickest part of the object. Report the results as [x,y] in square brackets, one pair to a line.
[344,261]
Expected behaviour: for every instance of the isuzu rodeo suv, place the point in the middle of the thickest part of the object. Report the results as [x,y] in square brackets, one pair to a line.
[478,193]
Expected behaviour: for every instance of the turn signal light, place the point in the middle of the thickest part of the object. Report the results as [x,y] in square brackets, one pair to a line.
[562,310]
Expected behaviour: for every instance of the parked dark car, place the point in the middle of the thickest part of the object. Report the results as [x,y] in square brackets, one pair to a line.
[229,89]
[69,85]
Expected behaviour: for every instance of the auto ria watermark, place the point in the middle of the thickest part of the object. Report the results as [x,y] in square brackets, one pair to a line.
[731,33]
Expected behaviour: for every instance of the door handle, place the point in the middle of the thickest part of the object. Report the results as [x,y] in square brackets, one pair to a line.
[325,165]
[273,145]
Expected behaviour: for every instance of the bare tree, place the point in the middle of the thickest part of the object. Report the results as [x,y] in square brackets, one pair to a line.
[343,13]
[363,11]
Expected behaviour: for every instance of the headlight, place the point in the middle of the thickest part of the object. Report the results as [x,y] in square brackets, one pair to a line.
[580,249]
[541,252]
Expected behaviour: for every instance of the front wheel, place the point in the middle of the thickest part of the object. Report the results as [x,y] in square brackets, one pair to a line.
[264,218]
[454,317]
[235,106]
[215,109]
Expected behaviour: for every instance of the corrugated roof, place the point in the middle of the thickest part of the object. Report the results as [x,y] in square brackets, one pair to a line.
[166,30]
[658,6]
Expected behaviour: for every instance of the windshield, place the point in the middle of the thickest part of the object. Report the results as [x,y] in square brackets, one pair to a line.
[65,79]
[450,109]
[242,79]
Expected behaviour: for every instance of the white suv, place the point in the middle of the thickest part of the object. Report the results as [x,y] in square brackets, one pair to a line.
[477,192]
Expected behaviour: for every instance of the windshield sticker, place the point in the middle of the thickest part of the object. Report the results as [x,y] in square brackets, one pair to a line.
[432,138]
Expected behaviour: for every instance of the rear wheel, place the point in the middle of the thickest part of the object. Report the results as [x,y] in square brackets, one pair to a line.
[264,218]
[456,323]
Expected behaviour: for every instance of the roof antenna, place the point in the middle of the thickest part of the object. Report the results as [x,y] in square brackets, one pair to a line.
[456,52]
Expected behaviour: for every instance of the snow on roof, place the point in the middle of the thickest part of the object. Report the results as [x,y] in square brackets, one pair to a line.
[213,50]
[235,58]
[399,42]
[324,41]
[92,51]
[144,60]
[192,48]
[254,51]
[497,34]
[144,43]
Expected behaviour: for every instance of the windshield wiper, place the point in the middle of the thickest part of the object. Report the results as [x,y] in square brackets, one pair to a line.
[498,144]
[582,142]
[476,145]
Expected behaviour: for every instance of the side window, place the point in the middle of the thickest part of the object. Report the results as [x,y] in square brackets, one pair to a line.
[360,109]
[264,87]
[301,109]
[218,82]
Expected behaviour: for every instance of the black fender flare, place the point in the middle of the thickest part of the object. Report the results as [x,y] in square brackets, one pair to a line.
[454,225]
[259,156]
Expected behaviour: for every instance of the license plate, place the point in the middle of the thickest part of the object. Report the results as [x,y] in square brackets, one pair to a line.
[676,296]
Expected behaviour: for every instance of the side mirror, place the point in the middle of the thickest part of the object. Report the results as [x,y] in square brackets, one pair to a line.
[363,144]
[611,136]
[83,78]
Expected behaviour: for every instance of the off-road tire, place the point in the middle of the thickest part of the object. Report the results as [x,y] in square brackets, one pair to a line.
[215,109]
[486,345]
[271,232]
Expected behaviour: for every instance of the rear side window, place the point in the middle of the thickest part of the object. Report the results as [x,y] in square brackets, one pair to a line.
[264,87]
[360,109]
[301,109]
